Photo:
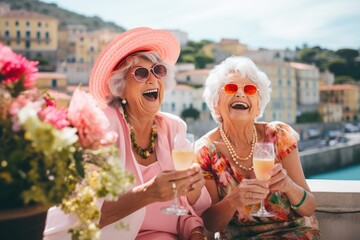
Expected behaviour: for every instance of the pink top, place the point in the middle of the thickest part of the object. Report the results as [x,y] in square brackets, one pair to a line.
[165,225]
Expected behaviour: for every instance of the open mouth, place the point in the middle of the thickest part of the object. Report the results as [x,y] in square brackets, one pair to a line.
[239,105]
[151,94]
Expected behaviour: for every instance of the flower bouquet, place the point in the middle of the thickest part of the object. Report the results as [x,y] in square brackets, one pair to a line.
[54,156]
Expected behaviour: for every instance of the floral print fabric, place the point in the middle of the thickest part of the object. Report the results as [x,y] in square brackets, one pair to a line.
[286,224]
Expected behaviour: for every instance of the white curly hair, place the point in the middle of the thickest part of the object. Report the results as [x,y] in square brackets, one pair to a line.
[218,77]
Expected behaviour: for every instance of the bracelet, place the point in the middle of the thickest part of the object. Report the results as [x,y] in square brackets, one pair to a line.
[197,232]
[301,202]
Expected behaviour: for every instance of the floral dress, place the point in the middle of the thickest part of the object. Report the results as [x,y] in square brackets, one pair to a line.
[286,224]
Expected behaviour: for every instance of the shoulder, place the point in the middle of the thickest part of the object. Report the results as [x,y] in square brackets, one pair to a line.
[170,122]
[283,130]
[170,118]
[109,110]
[206,141]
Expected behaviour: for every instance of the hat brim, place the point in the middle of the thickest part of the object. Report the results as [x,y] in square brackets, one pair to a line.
[134,40]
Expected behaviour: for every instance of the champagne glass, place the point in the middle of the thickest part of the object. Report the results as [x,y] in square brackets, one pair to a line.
[263,161]
[183,157]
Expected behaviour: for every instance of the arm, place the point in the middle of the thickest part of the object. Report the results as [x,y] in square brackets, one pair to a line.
[289,178]
[222,211]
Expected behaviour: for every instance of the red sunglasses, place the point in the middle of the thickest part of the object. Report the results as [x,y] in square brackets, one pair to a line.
[232,88]
[142,74]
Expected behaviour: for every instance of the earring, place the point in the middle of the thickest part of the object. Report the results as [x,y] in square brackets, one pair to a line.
[123,101]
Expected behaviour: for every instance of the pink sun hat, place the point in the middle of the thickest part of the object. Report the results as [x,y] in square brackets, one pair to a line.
[131,41]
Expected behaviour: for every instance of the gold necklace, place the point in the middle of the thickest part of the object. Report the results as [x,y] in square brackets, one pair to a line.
[144,153]
[232,152]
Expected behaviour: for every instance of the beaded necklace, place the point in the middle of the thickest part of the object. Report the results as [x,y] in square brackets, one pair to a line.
[144,153]
[232,152]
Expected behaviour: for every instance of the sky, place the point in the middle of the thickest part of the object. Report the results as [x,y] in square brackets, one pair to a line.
[273,24]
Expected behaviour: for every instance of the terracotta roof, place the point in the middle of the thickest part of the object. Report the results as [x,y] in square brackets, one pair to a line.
[25,14]
[302,66]
[229,41]
[51,75]
[183,87]
[71,88]
[195,72]
[58,95]
[338,87]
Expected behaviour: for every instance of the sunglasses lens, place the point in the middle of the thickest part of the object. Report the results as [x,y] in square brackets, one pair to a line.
[141,74]
[250,89]
[160,70]
[231,88]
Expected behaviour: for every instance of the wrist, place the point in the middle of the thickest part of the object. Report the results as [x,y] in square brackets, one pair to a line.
[290,186]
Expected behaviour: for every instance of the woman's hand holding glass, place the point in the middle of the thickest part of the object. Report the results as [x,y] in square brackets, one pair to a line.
[263,162]
[183,157]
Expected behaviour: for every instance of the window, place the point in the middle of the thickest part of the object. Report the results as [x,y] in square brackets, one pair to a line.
[28,34]
[54,83]
[7,33]
[38,37]
[203,106]
[173,106]
[289,82]
[39,24]
[17,23]
[27,24]
[18,34]
[47,37]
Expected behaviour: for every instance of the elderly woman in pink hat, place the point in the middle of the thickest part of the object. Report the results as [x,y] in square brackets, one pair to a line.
[129,79]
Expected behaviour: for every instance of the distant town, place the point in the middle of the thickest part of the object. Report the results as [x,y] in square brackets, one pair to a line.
[301,92]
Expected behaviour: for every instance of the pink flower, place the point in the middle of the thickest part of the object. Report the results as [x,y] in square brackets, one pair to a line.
[14,67]
[14,109]
[17,104]
[88,118]
[54,116]
[49,100]
[110,138]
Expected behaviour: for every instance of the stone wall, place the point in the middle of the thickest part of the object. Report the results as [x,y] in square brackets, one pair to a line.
[338,208]
[325,159]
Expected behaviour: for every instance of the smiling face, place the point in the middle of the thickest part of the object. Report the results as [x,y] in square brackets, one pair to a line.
[238,106]
[143,97]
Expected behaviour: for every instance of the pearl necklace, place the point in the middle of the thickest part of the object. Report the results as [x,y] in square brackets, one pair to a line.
[232,152]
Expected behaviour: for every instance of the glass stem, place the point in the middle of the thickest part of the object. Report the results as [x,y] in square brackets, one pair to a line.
[262,206]
[176,200]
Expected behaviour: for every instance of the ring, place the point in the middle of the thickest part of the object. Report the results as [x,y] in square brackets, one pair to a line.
[173,185]
[248,195]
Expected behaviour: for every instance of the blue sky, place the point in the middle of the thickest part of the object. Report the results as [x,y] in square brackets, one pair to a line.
[271,24]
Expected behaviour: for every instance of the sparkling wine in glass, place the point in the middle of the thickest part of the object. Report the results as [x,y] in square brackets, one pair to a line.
[263,161]
[183,157]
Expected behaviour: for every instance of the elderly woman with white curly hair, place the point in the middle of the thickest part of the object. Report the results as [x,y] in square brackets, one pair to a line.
[237,93]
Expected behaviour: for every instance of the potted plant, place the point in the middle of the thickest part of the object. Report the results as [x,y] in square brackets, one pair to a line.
[51,156]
